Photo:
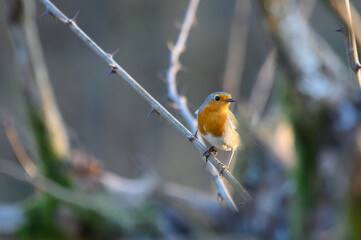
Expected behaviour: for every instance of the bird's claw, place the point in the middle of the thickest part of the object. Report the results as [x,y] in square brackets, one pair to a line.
[210,151]
[220,175]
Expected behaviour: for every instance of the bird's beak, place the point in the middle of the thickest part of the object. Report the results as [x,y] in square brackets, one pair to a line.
[230,100]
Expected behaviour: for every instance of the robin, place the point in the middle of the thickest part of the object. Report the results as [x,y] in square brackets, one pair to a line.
[218,125]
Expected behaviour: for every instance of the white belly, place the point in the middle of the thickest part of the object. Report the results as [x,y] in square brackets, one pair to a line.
[217,142]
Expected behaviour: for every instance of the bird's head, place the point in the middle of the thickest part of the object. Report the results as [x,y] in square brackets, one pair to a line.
[218,101]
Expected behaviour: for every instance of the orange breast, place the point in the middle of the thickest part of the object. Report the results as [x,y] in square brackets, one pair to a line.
[213,120]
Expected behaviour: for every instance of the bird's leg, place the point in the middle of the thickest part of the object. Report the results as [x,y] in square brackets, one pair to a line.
[228,164]
[194,136]
[230,159]
[210,151]
[221,172]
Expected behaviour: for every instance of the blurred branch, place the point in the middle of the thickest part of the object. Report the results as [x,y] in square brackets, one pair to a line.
[237,48]
[263,87]
[117,69]
[98,203]
[351,47]
[35,82]
[47,126]
[298,46]
[181,101]
[315,84]
[140,189]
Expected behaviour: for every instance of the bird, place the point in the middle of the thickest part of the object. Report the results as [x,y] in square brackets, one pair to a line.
[218,125]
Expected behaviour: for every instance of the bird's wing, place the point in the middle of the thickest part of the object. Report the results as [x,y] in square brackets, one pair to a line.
[233,120]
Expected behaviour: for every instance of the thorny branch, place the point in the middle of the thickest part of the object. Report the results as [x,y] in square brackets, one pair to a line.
[117,69]
[351,47]
[180,101]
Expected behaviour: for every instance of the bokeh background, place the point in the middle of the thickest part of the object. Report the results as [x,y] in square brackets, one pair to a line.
[107,119]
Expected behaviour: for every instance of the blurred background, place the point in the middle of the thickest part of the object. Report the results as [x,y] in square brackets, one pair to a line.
[298,108]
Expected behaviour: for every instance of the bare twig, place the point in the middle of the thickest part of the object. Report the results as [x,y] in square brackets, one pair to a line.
[142,92]
[351,47]
[175,65]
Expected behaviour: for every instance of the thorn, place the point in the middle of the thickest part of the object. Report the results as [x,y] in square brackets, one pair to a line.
[46,12]
[341,29]
[170,46]
[193,137]
[220,199]
[113,70]
[113,53]
[357,67]
[75,17]
[71,21]
[108,74]
[154,111]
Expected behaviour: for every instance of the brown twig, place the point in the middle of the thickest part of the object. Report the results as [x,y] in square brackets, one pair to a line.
[19,150]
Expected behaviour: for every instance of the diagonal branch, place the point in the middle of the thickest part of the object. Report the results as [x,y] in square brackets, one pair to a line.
[117,69]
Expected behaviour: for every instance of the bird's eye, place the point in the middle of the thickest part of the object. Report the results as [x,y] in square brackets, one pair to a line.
[217,98]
